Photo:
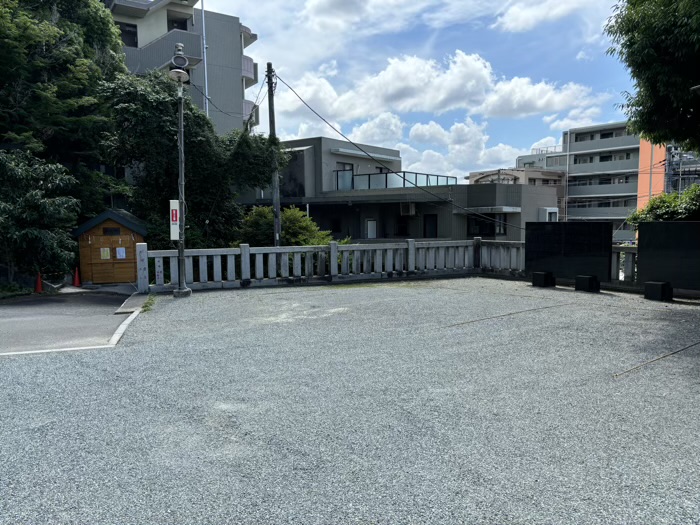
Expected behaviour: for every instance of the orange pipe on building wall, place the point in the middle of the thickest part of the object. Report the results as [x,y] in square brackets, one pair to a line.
[652,172]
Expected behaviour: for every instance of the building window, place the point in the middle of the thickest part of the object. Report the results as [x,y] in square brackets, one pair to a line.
[606,135]
[129,34]
[382,169]
[344,176]
[532,182]
[606,158]
[177,23]
[111,232]
[551,216]
[500,224]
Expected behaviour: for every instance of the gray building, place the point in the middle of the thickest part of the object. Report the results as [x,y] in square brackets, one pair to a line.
[150,30]
[353,195]
[601,167]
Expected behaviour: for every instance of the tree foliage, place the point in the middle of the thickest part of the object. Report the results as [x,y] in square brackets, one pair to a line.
[55,54]
[145,115]
[297,228]
[36,214]
[659,43]
[670,207]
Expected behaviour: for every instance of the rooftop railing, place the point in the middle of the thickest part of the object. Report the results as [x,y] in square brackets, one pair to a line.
[346,180]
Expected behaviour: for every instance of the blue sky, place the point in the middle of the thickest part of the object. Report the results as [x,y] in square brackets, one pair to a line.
[456,85]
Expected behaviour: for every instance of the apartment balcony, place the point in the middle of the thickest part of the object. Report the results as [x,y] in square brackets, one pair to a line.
[600,213]
[347,181]
[249,71]
[604,167]
[248,36]
[157,54]
[248,108]
[603,190]
[614,143]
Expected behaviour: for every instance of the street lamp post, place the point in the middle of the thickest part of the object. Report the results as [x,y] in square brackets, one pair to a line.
[179,74]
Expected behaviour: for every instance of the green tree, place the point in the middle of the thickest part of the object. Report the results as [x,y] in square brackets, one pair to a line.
[657,40]
[55,53]
[144,111]
[36,215]
[297,228]
[670,207]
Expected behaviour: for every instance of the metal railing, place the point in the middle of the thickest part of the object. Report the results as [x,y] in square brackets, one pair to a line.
[245,266]
[346,180]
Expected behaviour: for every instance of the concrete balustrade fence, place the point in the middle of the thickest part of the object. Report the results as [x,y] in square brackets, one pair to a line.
[245,266]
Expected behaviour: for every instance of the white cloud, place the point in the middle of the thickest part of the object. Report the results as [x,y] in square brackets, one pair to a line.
[546,142]
[520,97]
[525,15]
[577,117]
[410,84]
[582,56]
[385,130]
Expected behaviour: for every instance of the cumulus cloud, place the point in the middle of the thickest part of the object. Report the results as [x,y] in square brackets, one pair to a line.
[385,130]
[525,15]
[410,84]
[577,117]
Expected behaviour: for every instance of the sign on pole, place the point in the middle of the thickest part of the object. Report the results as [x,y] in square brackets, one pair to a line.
[174,220]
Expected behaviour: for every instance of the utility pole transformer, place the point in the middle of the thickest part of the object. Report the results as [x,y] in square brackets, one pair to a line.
[275,174]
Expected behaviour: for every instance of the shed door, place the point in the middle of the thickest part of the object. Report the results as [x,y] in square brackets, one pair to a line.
[113,257]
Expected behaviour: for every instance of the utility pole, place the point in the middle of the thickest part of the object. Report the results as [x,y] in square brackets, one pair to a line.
[204,58]
[273,135]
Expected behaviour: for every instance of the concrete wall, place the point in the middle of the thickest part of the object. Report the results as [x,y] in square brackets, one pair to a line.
[224,62]
[651,172]
[325,160]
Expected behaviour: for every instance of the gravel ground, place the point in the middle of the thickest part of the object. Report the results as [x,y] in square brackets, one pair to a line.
[473,401]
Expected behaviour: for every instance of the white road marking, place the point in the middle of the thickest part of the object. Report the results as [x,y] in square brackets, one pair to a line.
[112,342]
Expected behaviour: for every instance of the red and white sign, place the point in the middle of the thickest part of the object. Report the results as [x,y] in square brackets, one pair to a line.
[174,220]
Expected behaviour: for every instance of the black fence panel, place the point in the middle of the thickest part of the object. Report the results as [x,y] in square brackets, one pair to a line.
[670,251]
[568,249]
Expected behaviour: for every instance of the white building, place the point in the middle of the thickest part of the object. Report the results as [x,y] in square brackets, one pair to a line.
[150,30]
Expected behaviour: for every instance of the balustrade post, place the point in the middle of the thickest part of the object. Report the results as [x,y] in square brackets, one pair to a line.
[615,267]
[245,262]
[411,255]
[333,263]
[142,267]
[477,252]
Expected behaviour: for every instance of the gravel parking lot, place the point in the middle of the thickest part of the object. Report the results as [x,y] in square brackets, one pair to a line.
[474,401]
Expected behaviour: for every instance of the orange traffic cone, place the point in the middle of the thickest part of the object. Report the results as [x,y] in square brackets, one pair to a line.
[39,287]
[76,278]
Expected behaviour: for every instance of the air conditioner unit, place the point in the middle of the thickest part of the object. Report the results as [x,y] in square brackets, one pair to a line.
[408,208]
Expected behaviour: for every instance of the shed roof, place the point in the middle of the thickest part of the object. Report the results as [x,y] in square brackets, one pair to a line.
[123,217]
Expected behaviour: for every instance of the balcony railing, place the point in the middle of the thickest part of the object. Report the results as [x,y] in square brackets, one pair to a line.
[346,180]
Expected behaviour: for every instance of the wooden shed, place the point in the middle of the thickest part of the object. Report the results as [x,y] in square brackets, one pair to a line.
[108,247]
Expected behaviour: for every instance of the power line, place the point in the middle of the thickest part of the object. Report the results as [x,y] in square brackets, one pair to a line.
[391,171]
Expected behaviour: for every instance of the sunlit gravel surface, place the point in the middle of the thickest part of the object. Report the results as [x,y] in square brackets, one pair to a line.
[470,401]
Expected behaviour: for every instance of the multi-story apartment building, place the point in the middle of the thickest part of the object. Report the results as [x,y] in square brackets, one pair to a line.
[609,173]
[150,30]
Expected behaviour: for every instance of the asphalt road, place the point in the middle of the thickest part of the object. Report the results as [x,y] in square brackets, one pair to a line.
[58,321]
[464,401]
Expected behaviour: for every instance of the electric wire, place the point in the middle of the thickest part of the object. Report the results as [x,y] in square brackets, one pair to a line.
[468,211]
